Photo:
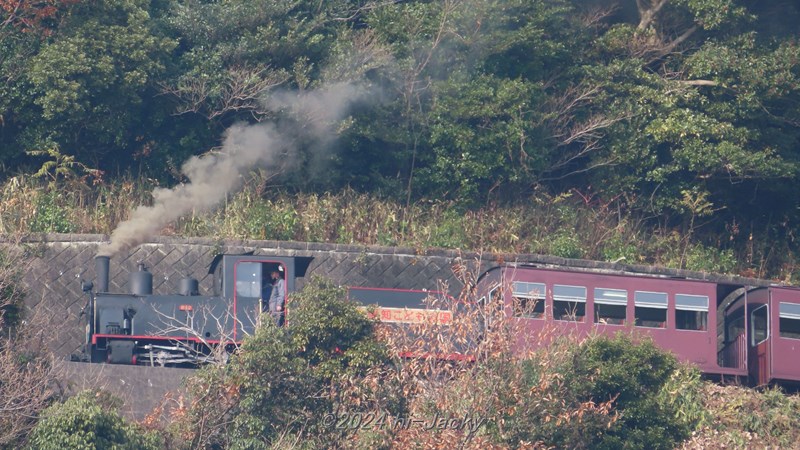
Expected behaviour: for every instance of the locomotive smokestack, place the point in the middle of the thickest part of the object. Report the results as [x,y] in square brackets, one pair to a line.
[101,270]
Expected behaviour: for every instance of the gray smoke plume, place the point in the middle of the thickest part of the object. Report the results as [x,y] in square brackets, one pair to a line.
[213,177]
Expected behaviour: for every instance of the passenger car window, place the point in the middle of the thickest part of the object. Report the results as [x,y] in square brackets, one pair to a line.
[691,312]
[789,326]
[529,299]
[610,306]
[759,325]
[650,309]
[569,303]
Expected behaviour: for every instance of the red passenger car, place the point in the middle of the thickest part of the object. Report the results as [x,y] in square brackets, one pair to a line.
[730,328]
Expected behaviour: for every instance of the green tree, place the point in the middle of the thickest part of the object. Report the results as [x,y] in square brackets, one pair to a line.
[632,375]
[281,383]
[89,89]
[24,25]
[470,113]
[706,105]
[87,422]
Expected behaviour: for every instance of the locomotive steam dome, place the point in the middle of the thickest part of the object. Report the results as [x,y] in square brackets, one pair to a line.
[188,286]
[141,281]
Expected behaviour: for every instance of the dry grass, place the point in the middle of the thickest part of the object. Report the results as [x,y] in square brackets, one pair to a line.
[742,418]
[568,225]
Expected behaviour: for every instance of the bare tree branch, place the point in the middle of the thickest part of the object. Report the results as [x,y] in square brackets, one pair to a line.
[27,371]
[366,52]
[218,347]
[672,45]
[243,89]
[595,16]
[356,12]
[699,82]
[578,138]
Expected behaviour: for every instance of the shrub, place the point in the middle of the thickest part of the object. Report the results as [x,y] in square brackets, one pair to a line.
[285,381]
[49,215]
[566,245]
[601,393]
[741,418]
[86,422]
[632,376]
[502,399]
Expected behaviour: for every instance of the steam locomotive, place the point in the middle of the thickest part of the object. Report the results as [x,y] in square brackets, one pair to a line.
[729,327]
[185,327]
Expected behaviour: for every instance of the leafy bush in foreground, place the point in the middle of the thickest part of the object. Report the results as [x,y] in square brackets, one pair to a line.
[631,375]
[283,382]
[742,418]
[86,422]
[603,393]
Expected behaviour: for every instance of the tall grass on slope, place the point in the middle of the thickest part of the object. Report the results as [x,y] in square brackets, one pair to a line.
[567,225]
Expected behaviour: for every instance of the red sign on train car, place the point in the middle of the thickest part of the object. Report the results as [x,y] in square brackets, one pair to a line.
[406,315]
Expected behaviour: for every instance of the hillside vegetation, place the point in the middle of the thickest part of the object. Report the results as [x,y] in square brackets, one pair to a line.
[659,131]
[651,131]
[567,225]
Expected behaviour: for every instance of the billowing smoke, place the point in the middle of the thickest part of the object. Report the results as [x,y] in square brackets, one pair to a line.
[213,177]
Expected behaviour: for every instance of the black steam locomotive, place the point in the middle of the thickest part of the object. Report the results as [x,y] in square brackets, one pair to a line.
[184,328]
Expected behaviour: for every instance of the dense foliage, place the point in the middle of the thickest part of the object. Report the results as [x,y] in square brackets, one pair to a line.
[631,376]
[88,421]
[282,383]
[689,108]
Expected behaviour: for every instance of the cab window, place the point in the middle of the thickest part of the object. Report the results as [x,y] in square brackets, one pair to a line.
[248,279]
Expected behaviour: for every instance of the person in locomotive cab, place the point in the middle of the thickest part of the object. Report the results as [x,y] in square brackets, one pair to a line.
[277,299]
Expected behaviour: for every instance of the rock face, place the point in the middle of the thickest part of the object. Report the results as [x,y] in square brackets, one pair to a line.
[57,264]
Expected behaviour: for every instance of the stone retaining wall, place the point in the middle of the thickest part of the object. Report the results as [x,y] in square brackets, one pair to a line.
[61,262]
[57,263]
